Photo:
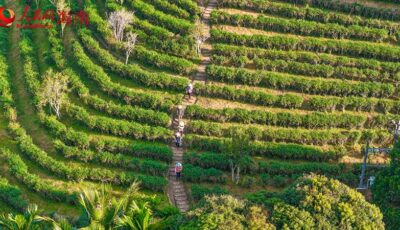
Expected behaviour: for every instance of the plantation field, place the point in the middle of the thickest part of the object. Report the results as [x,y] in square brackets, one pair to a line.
[307,82]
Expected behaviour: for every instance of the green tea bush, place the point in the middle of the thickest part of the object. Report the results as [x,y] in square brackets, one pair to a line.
[301,84]
[301,27]
[282,42]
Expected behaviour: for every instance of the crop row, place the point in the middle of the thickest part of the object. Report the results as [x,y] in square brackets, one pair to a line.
[301,27]
[308,13]
[265,149]
[197,174]
[172,9]
[164,41]
[19,169]
[82,140]
[96,73]
[281,81]
[150,167]
[306,69]
[151,150]
[117,127]
[188,5]
[59,168]
[12,195]
[293,135]
[134,113]
[156,37]
[104,124]
[174,24]
[77,174]
[310,120]
[142,77]
[352,8]
[293,101]
[221,161]
[198,191]
[284,42]
[386,68]
[150,57]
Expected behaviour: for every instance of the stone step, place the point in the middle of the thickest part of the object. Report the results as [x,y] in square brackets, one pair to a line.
[179,193]
[182,203]
[178,188]
[183,207]
[181,197]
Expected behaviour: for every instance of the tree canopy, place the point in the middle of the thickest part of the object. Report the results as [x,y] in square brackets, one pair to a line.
[386,190]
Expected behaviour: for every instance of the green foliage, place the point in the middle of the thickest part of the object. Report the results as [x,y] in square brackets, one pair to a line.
[30,220]
[282,81]
[96,73]
[266,149]
[308,13]
[11,194]
[316,202]
[134,71]
[169,8]
[291,135]
[118,127]
[351,48]
[151,167]
[199,192]
[386,191]
[387,69]
[176,25]
[226,212]
[20,170]
[133,113]
[197,174]
[137,148]
[301,27]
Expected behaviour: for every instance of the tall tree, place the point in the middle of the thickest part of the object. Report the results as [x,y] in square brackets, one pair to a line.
[118,20]
[237,151]
[317,202]
[54,91]
[386,190]
[130,43]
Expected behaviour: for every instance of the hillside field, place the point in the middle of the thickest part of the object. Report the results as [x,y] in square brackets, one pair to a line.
[301,85]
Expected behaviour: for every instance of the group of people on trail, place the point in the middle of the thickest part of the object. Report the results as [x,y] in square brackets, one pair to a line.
[179,134]
[180,112]
[181,127]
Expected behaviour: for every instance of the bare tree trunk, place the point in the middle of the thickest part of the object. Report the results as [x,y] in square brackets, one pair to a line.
[232,171]
[127,58]
[237,174]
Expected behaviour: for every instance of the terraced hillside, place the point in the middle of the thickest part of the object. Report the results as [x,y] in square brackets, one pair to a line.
[300,88]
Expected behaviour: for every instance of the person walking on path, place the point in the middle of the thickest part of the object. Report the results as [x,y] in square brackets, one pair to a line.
[189,90]
[180,112]
[181,127]
[178,139]
[178,170]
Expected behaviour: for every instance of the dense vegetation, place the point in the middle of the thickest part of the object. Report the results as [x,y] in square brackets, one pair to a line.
[287,92]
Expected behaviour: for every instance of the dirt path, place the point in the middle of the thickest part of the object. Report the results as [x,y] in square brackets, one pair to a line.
[176,188]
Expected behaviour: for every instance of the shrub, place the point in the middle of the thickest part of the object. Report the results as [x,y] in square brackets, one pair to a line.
[198,191]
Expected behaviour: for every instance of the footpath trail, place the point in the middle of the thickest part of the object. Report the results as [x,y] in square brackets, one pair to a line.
[176,189]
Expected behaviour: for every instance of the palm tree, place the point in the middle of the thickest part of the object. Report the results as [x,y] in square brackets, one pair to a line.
[30,220]
[102,209]
[138,217]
